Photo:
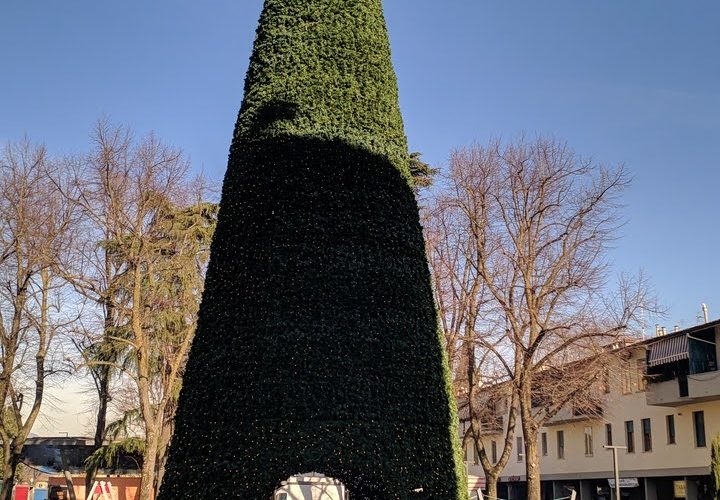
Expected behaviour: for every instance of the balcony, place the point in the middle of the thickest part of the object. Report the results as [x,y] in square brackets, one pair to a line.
[683,368]
[666,393]
[680,391]
[571,413]
[704,386]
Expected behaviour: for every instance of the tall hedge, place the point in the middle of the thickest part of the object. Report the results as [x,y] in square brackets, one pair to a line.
[317,346]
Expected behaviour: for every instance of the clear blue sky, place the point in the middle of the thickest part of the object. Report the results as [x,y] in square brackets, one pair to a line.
[633,82]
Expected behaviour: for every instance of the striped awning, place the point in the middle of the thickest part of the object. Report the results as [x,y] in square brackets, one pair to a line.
[668,350]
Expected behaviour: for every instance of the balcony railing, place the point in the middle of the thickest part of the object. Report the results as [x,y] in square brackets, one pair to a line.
[684,390]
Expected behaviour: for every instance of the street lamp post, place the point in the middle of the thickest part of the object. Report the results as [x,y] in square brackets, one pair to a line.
[616,468]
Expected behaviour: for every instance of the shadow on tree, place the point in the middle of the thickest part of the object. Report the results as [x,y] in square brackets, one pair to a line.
[317,347]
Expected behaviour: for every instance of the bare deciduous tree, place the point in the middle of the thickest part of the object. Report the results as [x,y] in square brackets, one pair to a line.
[530,223]
[98,189]
[34,225]
[142,265]
[453,238]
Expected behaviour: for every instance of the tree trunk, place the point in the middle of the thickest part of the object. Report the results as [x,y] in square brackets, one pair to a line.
[9,468]
[68,476]
[147,484]
[491,486]
[160,474]
[100,423]
[530,435]
[532,466]
[165,436]
[105,372]
[149,414]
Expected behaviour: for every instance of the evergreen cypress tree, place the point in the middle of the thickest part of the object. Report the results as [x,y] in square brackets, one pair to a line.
[317,346]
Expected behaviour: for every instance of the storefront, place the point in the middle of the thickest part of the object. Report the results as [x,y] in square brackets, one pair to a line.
[679,487]
[631,488]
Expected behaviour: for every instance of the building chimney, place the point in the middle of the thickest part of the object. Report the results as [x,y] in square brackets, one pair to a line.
[658,330]
[705,312]
[664,330]
[676,328]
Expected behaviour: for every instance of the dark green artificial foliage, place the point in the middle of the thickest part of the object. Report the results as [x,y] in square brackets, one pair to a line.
[317,346]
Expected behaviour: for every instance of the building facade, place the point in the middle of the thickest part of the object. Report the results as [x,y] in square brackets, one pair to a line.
[663,406]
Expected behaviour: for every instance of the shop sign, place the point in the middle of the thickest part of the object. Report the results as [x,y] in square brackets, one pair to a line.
[625,482]
[680,489]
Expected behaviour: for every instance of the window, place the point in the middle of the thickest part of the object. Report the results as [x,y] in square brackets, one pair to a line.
[640,371]
[588,441]
[496,405]
[493,451]
[605,385]
[519,449]
[647,434]
[626,379]
[492,406]
[670,424]
[561,444]
[543,443]
[702,351]
[608,434]
[630,436]
[699,424]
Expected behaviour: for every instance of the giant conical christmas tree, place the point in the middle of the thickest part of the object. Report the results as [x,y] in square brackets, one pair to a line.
[317,346]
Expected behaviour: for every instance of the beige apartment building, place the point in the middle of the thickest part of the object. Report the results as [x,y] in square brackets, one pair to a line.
[664,407]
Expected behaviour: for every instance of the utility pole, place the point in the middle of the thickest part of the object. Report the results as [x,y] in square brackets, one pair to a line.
[616,468]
